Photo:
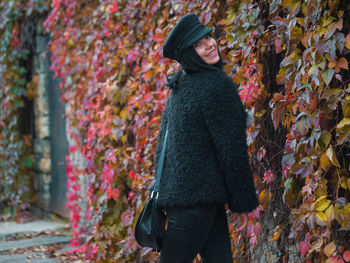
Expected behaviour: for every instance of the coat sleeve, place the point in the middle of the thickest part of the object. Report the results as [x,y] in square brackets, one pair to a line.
[160,139]
[225,119]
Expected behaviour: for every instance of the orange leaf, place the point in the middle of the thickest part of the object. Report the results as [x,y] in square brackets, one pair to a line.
[276,233]
[264,197]
[347,41]
[343,63]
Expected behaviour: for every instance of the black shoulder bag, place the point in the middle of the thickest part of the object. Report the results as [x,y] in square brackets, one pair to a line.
[150,225]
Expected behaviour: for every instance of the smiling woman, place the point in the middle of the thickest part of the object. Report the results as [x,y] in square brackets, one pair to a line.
[206,161]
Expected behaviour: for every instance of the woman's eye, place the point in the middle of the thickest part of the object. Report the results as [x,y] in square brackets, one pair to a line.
[197,44]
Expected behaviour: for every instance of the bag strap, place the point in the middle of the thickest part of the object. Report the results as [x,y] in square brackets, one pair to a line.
[160,168]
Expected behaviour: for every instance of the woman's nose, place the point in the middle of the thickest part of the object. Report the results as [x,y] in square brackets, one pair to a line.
[208,43]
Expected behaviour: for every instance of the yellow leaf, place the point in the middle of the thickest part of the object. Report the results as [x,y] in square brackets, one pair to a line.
[123,113]
[343,135]
[322,31]
[321,189]
[300,20]
[322,205]
[338,214]
[346,106]
[321,219]
[281,76]
[343,130]
[296,33]
[124,138]
[329,249]
[324,162]
[222,22]
[330,213]
[344,122]
[332,157]
[344,182]
[321,198]
[287,3]
[347,209]
[327,20]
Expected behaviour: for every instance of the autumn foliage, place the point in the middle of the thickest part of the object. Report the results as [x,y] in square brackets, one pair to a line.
[290,58]
[16,154]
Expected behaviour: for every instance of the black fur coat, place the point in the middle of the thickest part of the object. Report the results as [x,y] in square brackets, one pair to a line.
[206,157]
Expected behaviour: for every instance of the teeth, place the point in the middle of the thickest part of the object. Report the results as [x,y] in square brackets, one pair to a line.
[211,53]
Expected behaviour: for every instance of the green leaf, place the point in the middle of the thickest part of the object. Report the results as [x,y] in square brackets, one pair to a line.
[28,161]
[325,139]
[328,75]
[313,70]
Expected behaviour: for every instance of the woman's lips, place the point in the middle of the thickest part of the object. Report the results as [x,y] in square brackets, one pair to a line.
[212,53]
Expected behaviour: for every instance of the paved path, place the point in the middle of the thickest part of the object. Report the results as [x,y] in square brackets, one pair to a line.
[33,242]
[28,257]
[11,228]
[8,229]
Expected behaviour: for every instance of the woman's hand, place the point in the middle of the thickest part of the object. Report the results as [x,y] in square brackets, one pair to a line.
[240,218]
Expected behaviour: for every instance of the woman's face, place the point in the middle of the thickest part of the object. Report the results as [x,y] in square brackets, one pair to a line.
[207,49]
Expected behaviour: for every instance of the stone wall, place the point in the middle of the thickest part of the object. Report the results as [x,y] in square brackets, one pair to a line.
[42,178]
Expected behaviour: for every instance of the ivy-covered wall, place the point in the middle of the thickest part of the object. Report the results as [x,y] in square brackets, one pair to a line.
[290,58]
[16,100]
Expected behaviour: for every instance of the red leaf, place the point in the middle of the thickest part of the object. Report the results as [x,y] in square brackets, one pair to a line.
[114,8]
[157,37]
[147,97]
[333,259]
[346,256]
[115,193]
[278,47]
[132,175]
[304,247]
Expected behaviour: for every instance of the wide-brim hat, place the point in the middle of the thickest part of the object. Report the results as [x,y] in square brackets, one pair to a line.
[184,34]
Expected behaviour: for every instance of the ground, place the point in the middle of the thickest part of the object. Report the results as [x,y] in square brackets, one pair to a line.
[40,240]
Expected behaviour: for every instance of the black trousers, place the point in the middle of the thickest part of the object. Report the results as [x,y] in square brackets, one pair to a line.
[193,230]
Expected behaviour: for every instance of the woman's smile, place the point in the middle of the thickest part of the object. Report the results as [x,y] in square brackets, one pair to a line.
[212,53]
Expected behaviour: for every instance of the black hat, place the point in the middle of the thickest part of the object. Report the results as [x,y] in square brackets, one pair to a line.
[185,33]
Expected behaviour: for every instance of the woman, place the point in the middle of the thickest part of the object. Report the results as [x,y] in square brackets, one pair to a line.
[206,162]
